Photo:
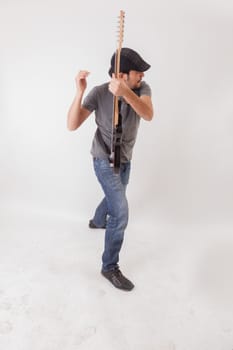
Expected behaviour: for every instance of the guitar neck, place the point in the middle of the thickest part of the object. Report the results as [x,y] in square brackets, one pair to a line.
[115,156]
[117,65]
[115,111]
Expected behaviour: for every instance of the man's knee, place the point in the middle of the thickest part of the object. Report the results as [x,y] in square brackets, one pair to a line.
[119,214]
[123,213]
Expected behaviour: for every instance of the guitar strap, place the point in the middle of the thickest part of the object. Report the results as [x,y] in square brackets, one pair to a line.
[101,140]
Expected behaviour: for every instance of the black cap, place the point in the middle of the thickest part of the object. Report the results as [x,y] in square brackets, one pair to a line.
[129,60]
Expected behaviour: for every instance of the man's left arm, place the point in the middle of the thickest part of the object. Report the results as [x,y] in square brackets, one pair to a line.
[141,105]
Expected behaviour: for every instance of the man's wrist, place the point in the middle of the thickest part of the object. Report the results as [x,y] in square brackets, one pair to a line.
[79,94]
[128,95]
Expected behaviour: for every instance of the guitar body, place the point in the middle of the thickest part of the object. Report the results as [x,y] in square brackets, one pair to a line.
[116,144]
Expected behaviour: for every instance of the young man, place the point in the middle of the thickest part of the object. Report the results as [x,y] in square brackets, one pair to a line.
[135,94]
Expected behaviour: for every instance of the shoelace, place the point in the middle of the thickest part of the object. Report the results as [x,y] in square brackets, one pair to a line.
[117,273]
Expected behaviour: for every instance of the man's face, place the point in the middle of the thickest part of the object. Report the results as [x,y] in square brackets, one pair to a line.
[134,79]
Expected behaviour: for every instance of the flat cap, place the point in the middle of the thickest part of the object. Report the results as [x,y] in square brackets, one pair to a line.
[129,60]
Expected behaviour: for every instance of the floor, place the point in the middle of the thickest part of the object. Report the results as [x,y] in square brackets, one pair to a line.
[52,296]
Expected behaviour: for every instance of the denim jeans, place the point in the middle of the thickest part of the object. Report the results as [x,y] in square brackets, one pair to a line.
[113,209]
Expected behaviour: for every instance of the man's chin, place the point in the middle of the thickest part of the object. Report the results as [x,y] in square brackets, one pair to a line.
[137,85]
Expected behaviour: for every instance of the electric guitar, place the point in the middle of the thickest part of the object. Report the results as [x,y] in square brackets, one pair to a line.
[115,156]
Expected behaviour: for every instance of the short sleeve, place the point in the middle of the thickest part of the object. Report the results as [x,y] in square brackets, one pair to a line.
[145,89]
[90,101]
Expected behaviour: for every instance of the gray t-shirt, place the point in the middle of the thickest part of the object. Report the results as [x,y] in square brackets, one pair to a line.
[100,100]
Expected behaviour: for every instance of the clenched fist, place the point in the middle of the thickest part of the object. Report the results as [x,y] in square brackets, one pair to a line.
[118,86]
[81,82]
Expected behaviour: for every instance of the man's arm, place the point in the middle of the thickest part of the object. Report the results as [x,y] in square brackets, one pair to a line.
[142,105]
[77,114]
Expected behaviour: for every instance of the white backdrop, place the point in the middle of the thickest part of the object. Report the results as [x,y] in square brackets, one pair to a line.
[179,247]
[182,168]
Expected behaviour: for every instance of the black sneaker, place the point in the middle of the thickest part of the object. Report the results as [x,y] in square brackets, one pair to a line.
[118,280]
[92,225]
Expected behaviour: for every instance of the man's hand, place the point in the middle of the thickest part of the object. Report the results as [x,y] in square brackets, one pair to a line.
[118,86]
[81,82]
[78,114]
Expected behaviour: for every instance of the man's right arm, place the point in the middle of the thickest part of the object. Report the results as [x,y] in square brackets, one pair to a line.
[78,114]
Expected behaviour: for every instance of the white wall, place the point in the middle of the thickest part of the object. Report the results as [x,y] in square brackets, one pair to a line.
[182,169]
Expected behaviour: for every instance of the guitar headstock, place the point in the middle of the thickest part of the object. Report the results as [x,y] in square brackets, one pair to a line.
[120,31]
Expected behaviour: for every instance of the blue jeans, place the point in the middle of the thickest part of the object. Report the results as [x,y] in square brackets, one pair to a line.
[113,209]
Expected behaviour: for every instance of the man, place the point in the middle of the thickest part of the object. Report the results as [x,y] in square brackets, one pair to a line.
[135,94]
